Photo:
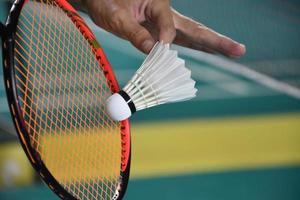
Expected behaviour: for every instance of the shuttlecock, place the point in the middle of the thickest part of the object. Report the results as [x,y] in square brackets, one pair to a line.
[162,78]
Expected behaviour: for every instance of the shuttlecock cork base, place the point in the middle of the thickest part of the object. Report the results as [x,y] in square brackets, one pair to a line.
[162,78]
[119,106]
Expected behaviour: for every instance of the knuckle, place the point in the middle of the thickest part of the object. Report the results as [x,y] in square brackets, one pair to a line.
[221,42]
[170,31]
[201,32]
[137,35]
[115,19]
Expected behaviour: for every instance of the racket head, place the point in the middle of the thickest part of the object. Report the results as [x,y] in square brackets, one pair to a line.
[82,157]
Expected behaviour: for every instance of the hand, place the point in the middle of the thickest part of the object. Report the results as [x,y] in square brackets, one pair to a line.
[143,22]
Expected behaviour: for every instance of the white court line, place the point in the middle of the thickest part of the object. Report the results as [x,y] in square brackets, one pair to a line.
[241,70]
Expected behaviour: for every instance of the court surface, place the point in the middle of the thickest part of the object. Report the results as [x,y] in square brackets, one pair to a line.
[237,139]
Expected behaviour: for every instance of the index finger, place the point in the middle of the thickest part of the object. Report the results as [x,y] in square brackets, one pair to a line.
[197,36]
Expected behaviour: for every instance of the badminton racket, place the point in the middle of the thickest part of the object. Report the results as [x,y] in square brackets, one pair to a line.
[57,79]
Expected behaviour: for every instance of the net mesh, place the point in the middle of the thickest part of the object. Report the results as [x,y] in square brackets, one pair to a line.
[61,89]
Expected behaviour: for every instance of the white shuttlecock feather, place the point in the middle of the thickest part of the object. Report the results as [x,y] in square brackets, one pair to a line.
[162,78]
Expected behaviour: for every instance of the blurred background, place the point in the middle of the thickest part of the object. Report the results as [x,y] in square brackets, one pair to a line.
[238,139]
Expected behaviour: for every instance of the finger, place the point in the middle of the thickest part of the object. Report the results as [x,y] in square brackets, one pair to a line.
[196,35]
[139,36]
[220,43]
[152,29]
[126,26]
[192,46]
[200,48]
[162,16]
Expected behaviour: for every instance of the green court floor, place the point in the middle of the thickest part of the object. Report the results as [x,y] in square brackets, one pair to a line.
[247,185]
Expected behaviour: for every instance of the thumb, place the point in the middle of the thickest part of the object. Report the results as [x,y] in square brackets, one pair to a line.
[136,34]
[163,18]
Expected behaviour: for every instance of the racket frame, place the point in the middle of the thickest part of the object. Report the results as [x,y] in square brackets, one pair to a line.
[8,32]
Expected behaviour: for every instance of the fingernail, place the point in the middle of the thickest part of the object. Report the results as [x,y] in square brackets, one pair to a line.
[238,50]
[242,46]
[147,45]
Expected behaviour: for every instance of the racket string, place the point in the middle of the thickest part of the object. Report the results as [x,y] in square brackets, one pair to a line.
[105,113]
[67,79]
[30,100]
[85,187]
